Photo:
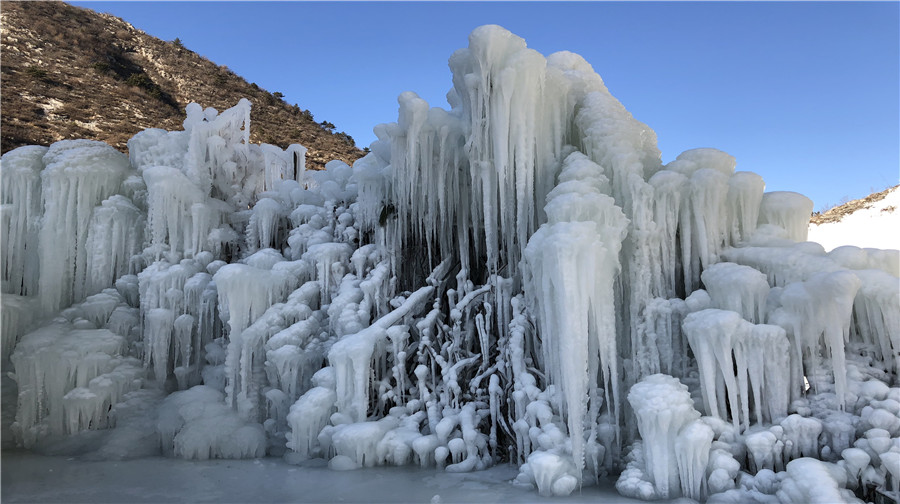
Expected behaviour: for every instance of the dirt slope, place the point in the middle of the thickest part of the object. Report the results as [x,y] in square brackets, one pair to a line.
[69,72]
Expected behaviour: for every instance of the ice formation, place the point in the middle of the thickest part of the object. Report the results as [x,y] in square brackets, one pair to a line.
[487,284]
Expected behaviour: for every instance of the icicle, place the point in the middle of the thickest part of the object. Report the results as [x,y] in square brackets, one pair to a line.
[116,233]
[21,210]
[713,335]
[79,174]
[350,357]
[819,311]
[745,193]
[664,408]
[569,272]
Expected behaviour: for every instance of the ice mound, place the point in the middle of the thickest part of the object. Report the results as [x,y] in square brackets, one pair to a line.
[484,286]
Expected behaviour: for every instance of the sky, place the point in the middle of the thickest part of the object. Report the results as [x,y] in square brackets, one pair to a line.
[806,94]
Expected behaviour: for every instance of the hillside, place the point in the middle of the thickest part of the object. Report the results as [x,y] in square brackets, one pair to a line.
[69,72]
[871,222]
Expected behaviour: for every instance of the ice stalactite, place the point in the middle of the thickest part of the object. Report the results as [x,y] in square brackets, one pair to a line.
[669,214]
[665,416]
[19,314]
[179,219]
[21,210]
[115,235]
[71,371]
[480,171]
[265,226]
[168,291]
[692,448]
[704,227]
[711,334]
[281,165]
[666,347]
[763,359]
[570,267]
[272,362]
[876,320]
[20,213]
[328,261]
[218,147]
[246,291]
[733,354]
[745,194]
[817,313]
[79,174]
[626,149]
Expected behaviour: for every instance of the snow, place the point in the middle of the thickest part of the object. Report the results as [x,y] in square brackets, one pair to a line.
[471,300]
[864,228]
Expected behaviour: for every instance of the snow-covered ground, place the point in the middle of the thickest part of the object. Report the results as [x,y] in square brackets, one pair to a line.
[34,478]
[875,227]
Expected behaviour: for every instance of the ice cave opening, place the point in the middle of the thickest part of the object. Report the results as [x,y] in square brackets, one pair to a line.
[516,280]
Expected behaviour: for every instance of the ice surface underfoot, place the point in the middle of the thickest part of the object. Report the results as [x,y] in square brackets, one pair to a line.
[484,286]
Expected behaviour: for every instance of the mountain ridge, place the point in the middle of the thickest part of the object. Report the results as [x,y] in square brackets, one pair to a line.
[69,72]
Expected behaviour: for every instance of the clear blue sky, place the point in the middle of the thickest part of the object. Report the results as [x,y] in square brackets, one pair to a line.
[806,94]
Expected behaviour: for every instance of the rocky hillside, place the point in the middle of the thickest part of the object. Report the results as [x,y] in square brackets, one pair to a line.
[835,214]
[69,72]
[870,222]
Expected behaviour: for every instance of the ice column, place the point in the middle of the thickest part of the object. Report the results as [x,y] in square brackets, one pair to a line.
[79,174]
[739,355]
[788,210]
[745,193]
[20,212]
[663,407]
[116,234]
[820,311]
[174,202]
[741,289]
[246,291]
[570,266]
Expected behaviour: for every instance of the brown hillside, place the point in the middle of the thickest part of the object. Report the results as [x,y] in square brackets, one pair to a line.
[69,72]
[837,213]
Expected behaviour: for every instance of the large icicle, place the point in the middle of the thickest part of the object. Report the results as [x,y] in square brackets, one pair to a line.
[570,266]
[20,211]
[79,174]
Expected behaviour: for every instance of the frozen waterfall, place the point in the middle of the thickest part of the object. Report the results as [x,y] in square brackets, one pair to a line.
[489,284]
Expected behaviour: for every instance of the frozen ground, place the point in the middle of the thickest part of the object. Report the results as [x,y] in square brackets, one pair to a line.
[875,227]
[35,478]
